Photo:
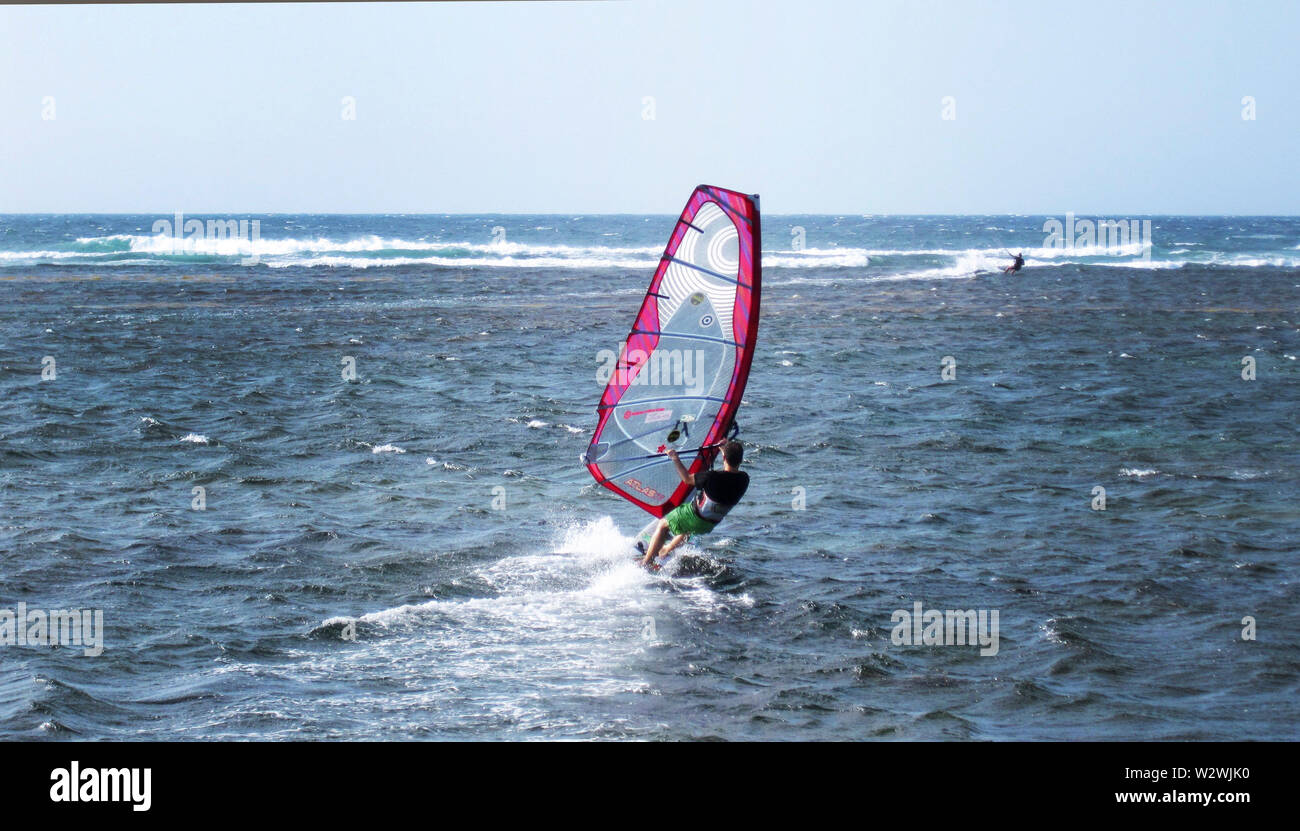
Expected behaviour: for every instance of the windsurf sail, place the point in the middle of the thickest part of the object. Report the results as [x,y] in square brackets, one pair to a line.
[681,372]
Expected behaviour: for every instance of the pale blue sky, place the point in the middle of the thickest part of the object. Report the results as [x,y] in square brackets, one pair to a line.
[1116,108]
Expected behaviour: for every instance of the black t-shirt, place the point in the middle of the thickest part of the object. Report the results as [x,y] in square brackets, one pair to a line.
[723,486]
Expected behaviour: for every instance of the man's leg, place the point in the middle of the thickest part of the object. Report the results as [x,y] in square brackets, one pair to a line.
[652,564]
[656,542]
[676,541]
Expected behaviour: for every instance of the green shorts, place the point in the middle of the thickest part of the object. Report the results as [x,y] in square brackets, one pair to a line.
[684,520]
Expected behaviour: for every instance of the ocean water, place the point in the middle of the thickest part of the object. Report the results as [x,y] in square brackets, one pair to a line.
[418,554]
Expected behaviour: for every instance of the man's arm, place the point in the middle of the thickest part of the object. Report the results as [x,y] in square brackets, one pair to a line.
[681,468]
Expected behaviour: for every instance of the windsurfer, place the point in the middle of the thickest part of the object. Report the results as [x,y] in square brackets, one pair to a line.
[717,492]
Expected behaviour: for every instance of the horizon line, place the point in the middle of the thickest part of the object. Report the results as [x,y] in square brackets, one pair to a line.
[1083,214]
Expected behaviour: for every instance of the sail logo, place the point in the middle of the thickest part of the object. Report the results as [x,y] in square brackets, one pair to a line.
[1102,237]
[678,369]
[191,236]
[77,784]
[645,490]
[655,416]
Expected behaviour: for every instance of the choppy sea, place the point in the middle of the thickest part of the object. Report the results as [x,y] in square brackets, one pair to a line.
[325,483]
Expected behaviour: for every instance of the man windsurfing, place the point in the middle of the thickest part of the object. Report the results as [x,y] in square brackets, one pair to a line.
[1015,266]
[717,492]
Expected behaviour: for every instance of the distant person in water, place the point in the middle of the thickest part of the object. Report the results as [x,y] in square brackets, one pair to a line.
[1016,266]
[717,491]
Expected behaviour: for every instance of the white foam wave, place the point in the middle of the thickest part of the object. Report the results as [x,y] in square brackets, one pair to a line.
[585,584]
[1138,473]
[243,246]
[1049,632]
[549,595]
[38,256]
[369,251]
[463,262]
